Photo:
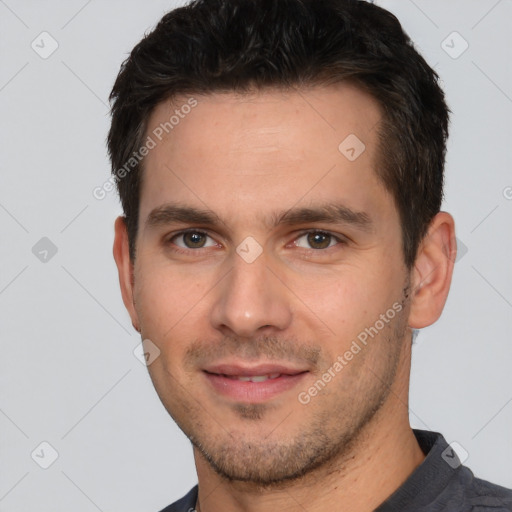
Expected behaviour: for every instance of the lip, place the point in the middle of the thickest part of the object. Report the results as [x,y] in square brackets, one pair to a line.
[222,378]
[250,371]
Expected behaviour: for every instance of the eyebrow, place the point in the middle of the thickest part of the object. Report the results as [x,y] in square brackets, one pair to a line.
[331,213]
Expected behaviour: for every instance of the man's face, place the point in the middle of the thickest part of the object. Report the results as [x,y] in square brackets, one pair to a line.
[252,307]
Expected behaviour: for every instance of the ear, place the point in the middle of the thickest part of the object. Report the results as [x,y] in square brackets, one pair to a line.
[433,269]
[125,269]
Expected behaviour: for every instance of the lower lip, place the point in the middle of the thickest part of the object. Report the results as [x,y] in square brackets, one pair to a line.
[254,392]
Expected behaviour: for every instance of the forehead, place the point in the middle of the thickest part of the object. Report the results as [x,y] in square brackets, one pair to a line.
[266,148]
[241,119]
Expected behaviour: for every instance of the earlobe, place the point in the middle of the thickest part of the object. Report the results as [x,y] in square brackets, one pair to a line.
[433,270]
[124,264]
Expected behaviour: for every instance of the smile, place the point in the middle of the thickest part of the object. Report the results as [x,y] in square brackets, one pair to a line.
[255,378]
[255,384]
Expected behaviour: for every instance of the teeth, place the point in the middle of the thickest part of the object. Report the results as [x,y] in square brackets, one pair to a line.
[255,378]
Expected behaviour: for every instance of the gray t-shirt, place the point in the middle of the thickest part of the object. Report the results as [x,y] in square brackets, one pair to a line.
[439,484]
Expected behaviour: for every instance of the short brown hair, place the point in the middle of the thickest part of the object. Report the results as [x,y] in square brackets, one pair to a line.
[210,46]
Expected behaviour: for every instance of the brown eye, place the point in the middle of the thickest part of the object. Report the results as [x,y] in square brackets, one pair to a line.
[192,240]
[319,240]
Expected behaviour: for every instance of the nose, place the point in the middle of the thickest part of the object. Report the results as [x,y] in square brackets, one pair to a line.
[250,299]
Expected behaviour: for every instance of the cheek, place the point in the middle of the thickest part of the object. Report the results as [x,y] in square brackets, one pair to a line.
[166,301]
[350,300]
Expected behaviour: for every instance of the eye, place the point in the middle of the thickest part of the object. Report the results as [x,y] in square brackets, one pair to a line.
[317,240]
[192,239]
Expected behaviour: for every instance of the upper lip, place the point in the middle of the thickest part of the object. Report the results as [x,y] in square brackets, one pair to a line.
[252,371]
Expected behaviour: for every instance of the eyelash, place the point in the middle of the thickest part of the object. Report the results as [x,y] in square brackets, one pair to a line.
[189,251]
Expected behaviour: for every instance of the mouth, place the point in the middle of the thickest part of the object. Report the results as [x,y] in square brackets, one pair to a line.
[253,378]
[254,384]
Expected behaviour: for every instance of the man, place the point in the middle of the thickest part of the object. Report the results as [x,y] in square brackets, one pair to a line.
[280,166]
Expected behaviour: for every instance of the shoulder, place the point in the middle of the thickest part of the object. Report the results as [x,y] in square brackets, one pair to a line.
[441,483]
[456,483]
[185,504]
[483,496]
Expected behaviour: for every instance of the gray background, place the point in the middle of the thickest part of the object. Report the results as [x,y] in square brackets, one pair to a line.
[68,373]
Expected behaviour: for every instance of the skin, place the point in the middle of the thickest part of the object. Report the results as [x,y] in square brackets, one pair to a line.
[302,301]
